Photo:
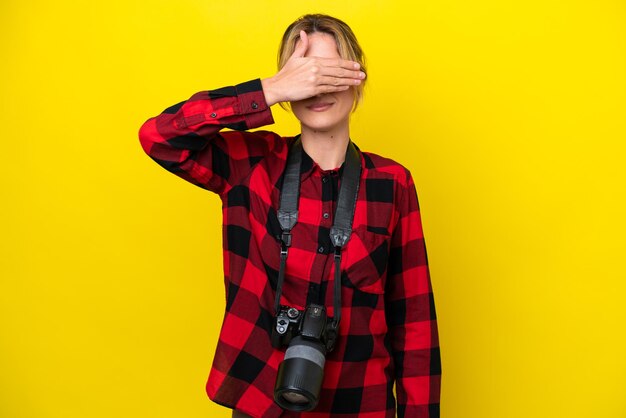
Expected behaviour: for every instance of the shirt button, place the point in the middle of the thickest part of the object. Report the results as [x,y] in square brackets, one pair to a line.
[213,115]
[255,105]
[325,179]
[325,215]
[320,250]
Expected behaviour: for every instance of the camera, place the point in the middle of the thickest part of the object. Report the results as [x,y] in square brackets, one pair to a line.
[309,335]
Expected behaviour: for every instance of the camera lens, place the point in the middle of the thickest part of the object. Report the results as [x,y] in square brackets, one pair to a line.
[300,375]
[293,397]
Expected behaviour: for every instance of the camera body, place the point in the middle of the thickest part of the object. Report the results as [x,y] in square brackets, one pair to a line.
[312,323]
[309,335]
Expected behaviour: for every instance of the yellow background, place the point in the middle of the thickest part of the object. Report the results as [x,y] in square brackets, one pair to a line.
[510,115]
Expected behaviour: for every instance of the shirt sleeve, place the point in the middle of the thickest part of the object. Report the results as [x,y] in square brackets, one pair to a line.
[185,138]
[410,313]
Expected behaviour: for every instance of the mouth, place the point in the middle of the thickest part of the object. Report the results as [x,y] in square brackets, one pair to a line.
[320,107]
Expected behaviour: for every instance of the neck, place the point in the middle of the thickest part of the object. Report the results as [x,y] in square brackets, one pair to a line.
[327,149]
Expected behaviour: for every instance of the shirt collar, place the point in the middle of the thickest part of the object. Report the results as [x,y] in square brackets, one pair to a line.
[311,168]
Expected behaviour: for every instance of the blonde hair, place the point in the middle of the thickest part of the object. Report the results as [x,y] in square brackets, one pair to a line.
[347,45]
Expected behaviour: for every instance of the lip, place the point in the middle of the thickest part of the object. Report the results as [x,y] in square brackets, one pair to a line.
[320,107]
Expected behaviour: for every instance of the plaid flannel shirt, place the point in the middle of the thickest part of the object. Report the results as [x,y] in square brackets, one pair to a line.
[388,332]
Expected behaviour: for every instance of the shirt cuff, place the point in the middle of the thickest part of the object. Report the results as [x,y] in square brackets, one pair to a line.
[254,108]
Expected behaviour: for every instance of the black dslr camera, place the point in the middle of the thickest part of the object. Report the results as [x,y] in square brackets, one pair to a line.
[309,336]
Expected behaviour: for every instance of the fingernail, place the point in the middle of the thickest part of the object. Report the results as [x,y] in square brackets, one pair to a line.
[362,74]
[357,65]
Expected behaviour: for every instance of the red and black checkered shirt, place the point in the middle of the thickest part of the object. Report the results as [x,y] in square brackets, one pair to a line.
[388,331]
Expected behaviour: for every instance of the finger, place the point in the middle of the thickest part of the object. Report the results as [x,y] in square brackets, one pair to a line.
[331,89]
[341,73]
[301,46]
[340,63]
[337,81]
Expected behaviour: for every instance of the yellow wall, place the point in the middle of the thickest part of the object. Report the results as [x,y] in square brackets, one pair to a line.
[511,118]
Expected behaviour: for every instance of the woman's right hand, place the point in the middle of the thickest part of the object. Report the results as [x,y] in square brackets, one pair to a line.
[302,77]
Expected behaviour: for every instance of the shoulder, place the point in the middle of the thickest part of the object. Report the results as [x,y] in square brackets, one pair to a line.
[378,166]
[242,143]
[265,135]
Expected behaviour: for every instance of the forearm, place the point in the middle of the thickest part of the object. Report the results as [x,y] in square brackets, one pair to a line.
[185,138]
[417,363]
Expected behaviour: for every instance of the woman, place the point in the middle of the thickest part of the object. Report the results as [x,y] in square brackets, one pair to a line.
[387,332]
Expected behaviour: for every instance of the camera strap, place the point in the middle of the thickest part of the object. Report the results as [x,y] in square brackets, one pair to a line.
[344,215]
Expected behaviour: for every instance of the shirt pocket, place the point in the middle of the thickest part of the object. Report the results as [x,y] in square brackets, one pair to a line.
[366,257]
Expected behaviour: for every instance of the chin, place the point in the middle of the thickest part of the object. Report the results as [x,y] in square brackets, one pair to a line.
[321,126]
[322,121]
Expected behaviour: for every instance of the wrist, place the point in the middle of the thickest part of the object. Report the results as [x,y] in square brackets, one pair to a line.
[270,96]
